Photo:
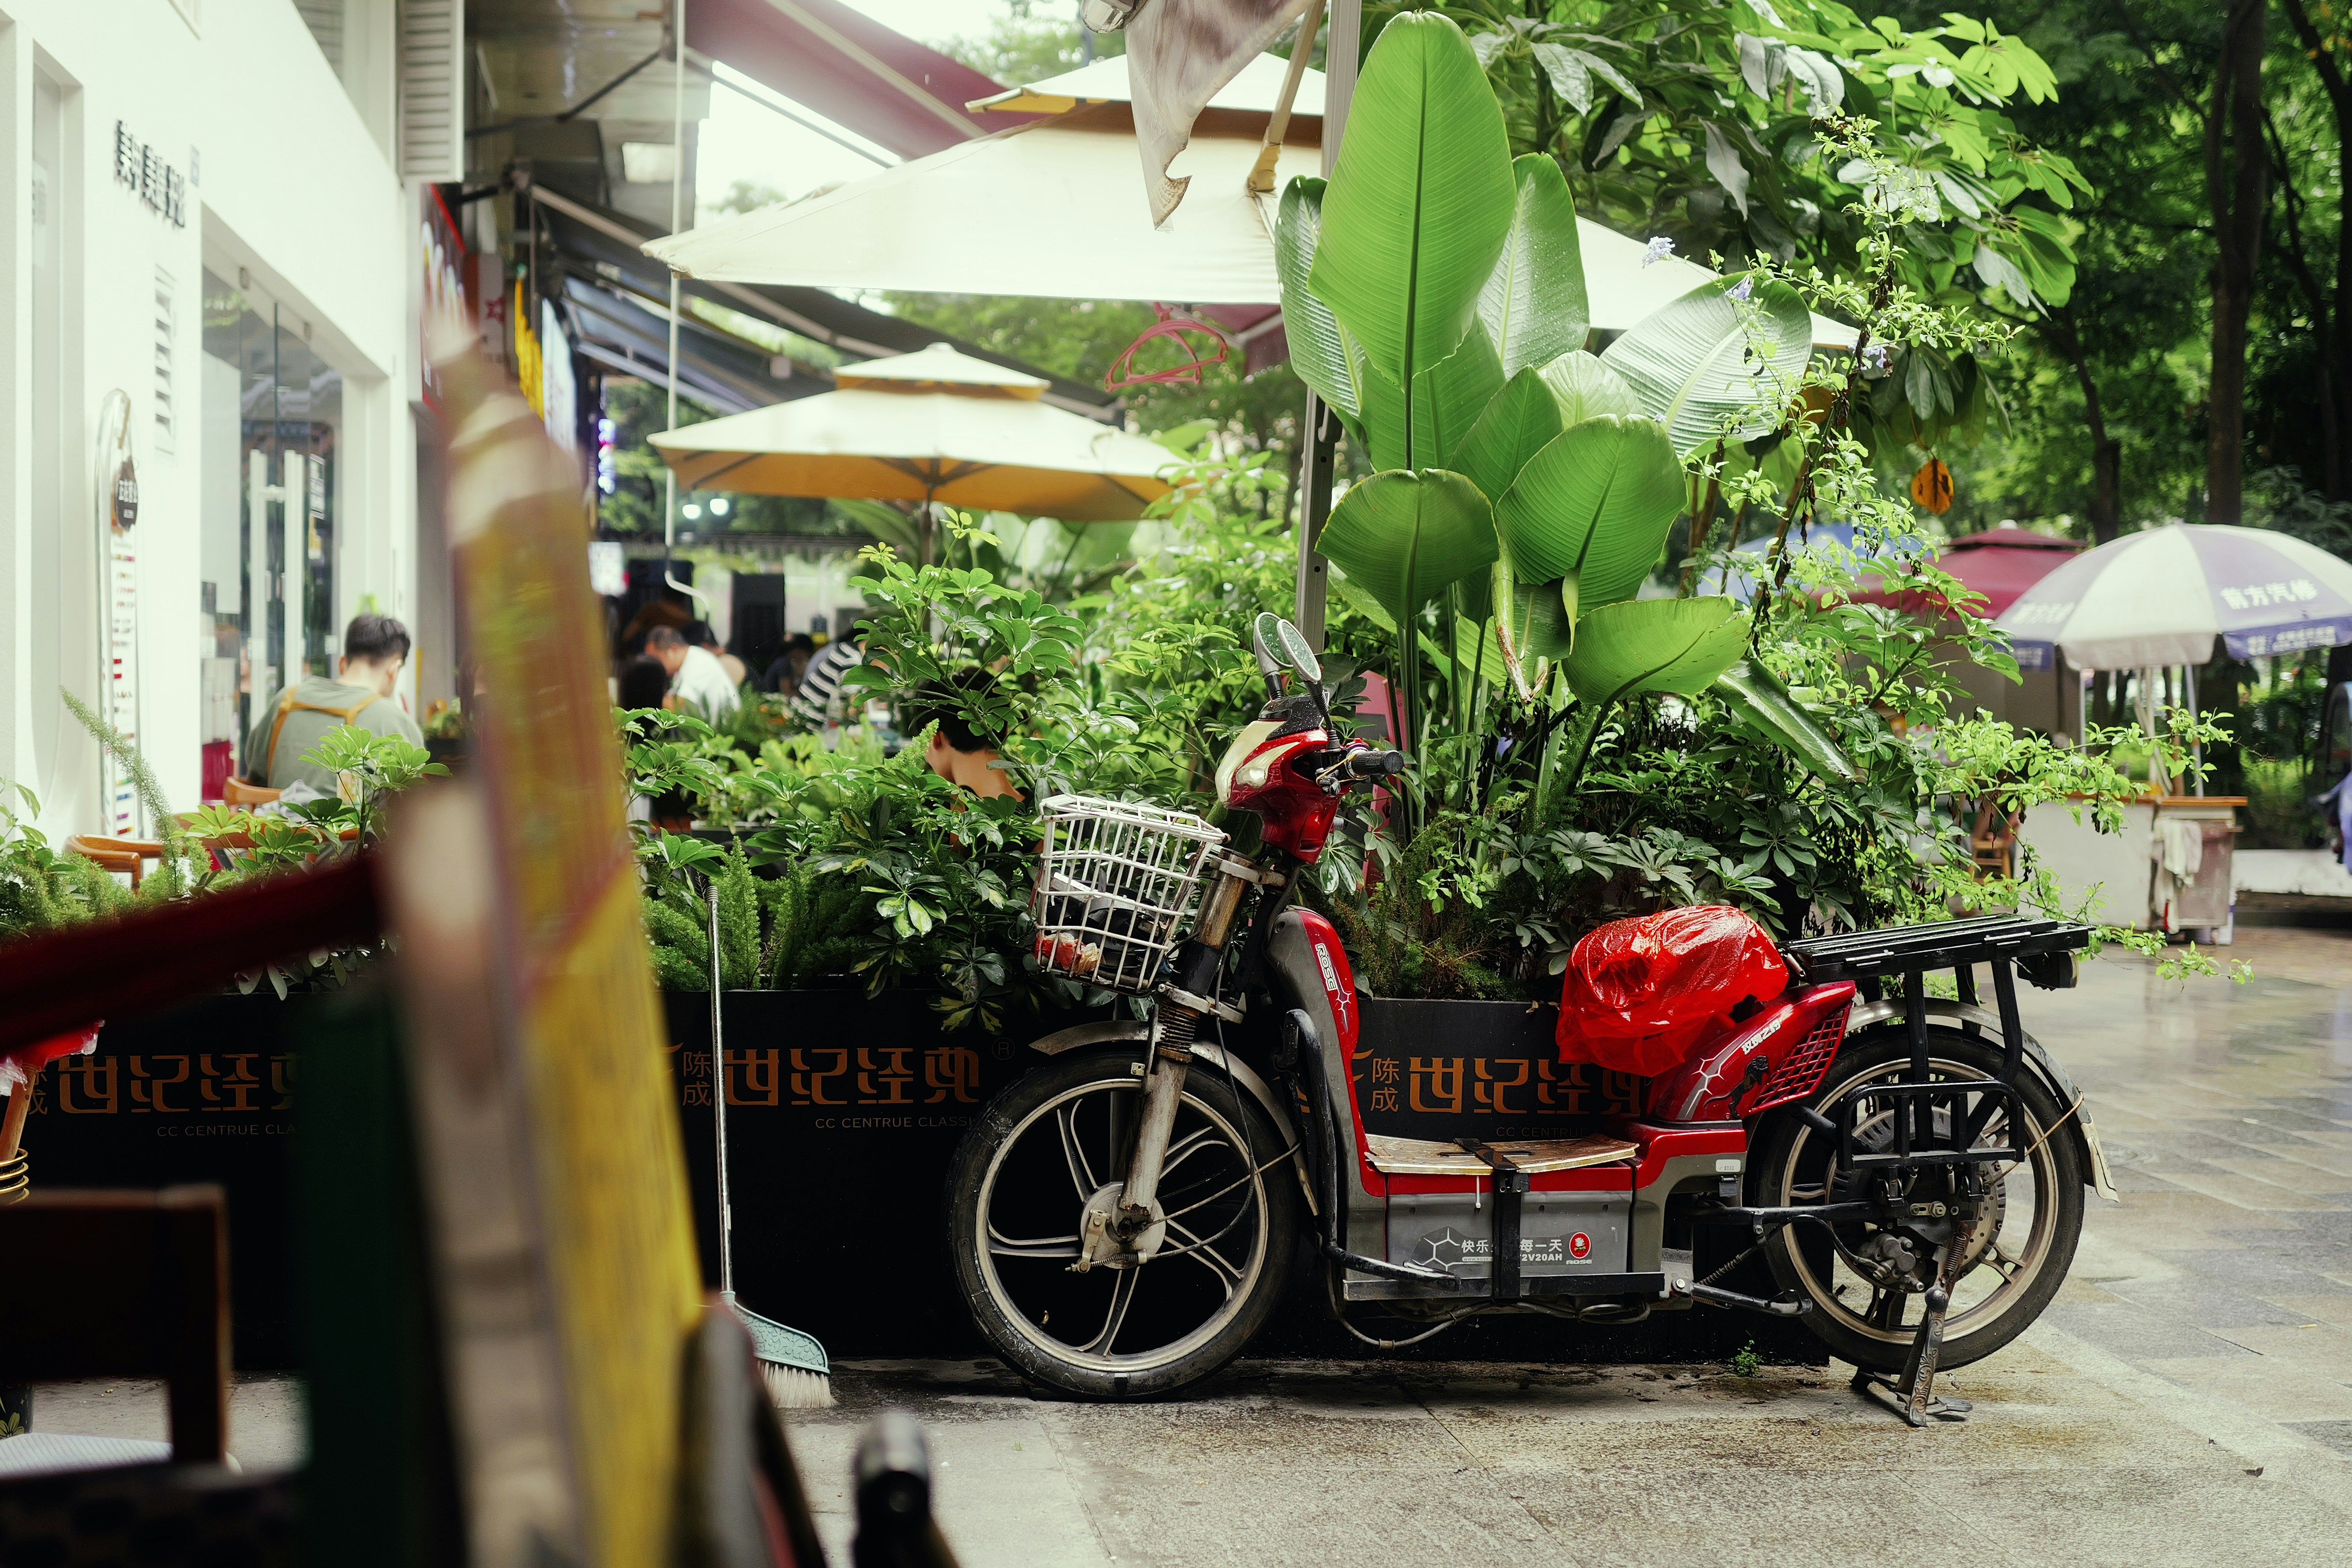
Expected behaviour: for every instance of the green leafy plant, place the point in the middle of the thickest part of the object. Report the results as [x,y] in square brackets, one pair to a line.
[1437,289]
[1700,123]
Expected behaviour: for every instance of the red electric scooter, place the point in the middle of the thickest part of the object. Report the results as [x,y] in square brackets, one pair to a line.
[1125,1216]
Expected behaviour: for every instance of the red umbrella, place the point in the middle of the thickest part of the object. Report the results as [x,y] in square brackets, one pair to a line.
[2000,563]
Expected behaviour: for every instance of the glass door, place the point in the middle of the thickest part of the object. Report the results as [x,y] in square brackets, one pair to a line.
[272,446]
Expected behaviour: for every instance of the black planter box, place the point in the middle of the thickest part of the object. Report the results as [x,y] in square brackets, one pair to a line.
[201,1093]
[841,1114]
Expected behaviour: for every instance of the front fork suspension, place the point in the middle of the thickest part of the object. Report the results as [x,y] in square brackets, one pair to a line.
[1129,1229]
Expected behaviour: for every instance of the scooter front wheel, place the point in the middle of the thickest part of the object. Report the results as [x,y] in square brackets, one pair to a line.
[1047,1148]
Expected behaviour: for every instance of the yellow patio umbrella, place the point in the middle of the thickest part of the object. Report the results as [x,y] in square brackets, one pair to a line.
[932,426]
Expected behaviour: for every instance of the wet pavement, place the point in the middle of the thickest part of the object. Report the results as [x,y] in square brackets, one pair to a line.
[2188,1399]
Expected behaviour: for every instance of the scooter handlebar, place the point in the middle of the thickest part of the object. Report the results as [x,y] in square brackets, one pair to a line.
[1373,764]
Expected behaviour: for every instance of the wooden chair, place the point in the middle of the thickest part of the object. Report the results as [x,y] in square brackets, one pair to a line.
[1992,841]
[236,792]
[126,855]
[125,1284]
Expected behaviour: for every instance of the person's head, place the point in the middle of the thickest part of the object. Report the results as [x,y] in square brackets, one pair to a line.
[643,682]
[700,635]
[664,644]
[959,750]
[375,649]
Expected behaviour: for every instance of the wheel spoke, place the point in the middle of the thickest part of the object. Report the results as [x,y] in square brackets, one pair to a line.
[1082,1175]
[1122,1293]
[1208,1257]
[1229,1186]
[1004,1246]
[1999,1261]
[1184,1148]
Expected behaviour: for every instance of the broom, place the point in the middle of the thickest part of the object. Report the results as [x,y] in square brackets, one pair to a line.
[792,1364]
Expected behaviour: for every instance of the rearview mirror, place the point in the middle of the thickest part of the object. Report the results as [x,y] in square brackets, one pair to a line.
[1297,654]
[1265,640]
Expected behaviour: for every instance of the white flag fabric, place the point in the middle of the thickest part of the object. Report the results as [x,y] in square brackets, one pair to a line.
[1180,52]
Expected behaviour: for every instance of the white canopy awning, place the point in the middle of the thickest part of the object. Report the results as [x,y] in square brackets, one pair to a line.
[1048,209]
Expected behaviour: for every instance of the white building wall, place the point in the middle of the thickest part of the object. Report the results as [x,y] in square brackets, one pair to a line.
[290,179]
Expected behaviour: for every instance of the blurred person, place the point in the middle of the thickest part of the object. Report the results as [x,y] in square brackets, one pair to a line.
[819,698]
[655,612]
[697,678]
[643,683]
[375,649]
[702,636]
[783,676]
[958,751]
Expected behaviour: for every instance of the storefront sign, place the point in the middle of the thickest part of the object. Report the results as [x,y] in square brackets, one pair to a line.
[160,185]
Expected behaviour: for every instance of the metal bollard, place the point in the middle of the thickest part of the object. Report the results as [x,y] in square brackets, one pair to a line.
[892,1477]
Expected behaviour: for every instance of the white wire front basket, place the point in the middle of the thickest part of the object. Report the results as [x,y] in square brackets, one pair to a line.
[1114,886]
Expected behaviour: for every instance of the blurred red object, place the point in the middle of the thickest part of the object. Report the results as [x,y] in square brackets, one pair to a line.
[1176,328]
[2000,563]
[18,1067]
[220,756]
[1640,993]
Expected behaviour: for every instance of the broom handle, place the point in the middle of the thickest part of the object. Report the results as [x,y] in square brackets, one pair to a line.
[718,1098]
[12,1120]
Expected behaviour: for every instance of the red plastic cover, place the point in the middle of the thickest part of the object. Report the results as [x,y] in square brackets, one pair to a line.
[1640,993]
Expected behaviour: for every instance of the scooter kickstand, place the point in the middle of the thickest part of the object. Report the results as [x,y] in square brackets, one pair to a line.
[1913,1396]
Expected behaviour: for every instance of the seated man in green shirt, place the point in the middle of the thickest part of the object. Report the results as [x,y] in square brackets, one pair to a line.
[374,648]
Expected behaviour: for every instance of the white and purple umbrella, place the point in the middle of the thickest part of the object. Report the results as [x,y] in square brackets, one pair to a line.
[2162,597]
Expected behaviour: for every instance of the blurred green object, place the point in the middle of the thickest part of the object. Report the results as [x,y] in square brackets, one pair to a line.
[381,1486]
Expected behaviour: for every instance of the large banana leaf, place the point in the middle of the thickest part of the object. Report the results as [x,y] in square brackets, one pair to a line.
[1320,350]
[1516,426]
[1587,389]
[1533,304]
[1386,421]
[1448,397]
[1421,200]
[1655,644]
[1534,407]
[1764,706]
[1477,655]
[1534,620]
[1596,503]
[1688,362]
[1404,537]
[1454,392]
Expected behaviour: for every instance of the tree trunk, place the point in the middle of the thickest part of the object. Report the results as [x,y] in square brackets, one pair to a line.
[2237,186]
[2107,453]
[2335,345]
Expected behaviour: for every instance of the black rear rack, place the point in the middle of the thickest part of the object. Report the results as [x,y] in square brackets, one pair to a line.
[2040,949]
[1924,1122]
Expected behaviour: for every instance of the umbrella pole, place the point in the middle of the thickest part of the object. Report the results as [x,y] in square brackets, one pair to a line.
[676,219]
[1315,461]
[1319,432]
[2196,751]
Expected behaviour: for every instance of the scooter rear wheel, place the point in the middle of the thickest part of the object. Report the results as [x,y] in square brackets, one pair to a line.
[2010,1263]
[1053,1140]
